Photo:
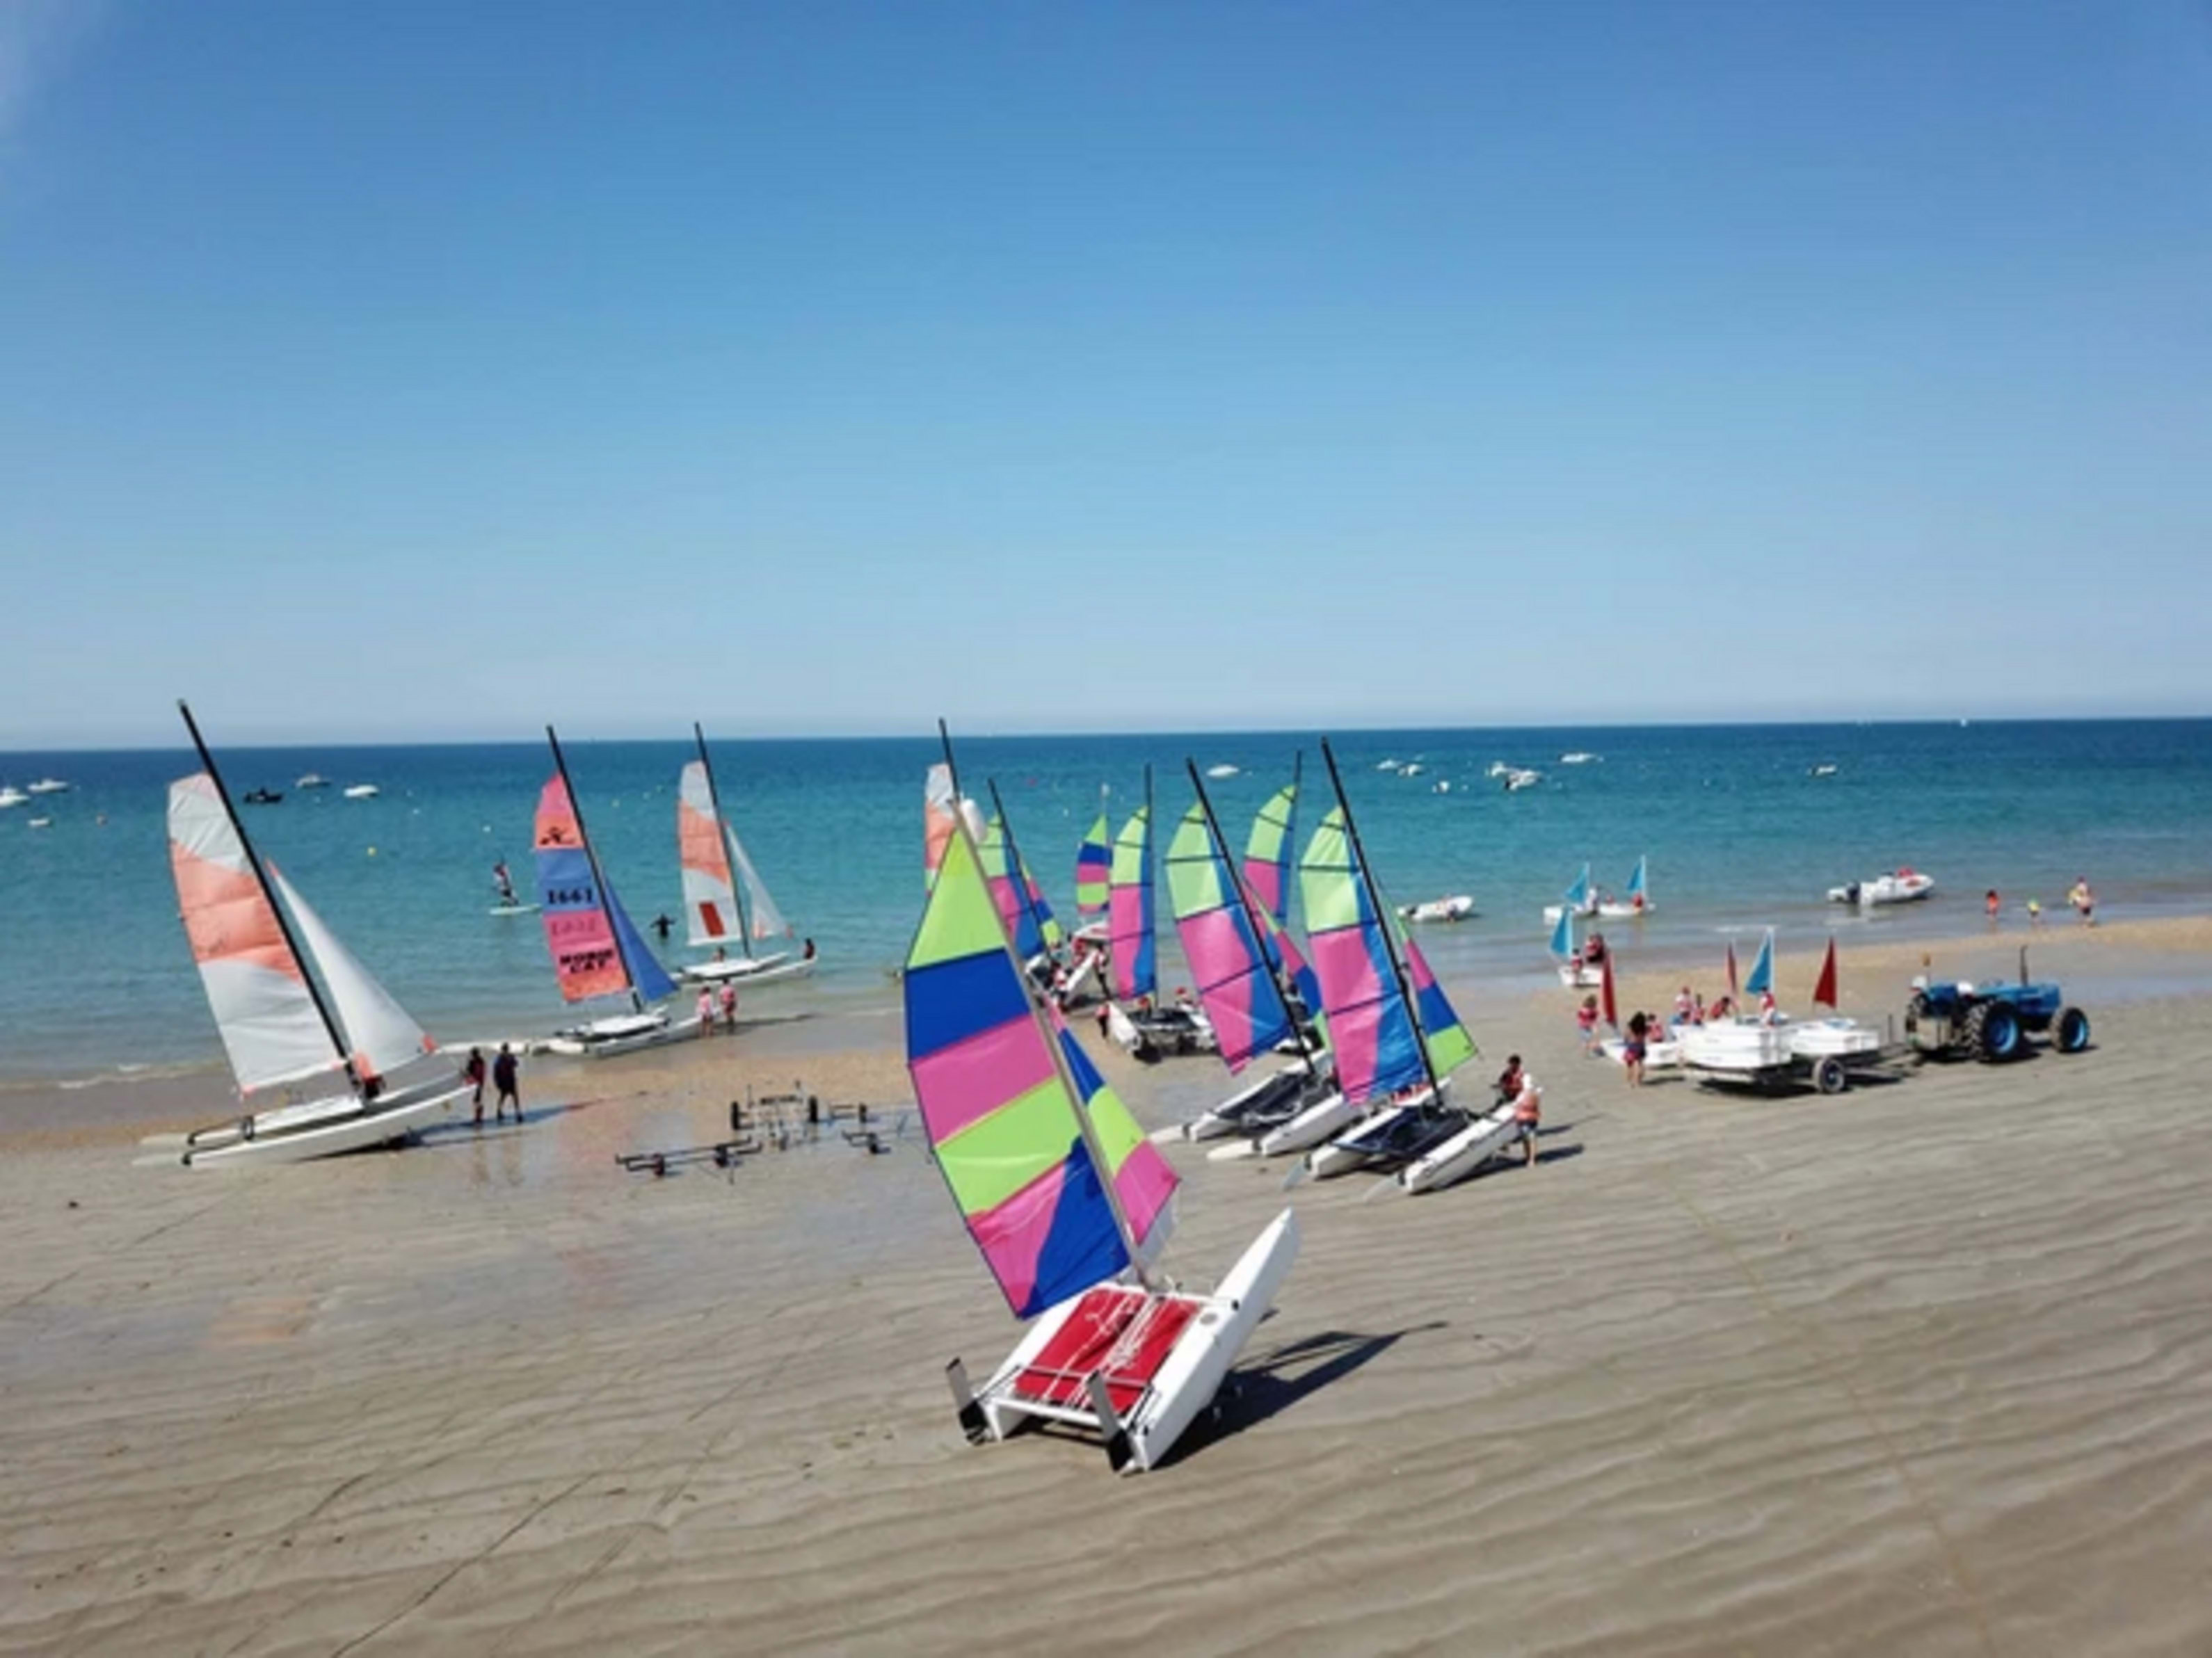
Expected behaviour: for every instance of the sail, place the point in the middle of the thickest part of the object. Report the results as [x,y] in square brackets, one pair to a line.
[1760,979]
[1049,929]
[1014,911]
[1563,933]
[1142,1181]
[1225,954]
[1000,1119]
[1577,895]
[710,897]
[382,1033]
[762,917]
[1094,868]
[578,932]
[1129,908]
[255,984]
[1636,877]
[937,819]
[1449,1046]
[647,976]
[1371,1029]
[1267,854]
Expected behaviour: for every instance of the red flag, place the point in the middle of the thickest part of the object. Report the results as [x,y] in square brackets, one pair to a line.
[1824,993]
[1734,993]
[1604,982]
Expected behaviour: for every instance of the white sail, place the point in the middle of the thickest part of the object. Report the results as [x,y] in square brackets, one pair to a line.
[255,984]
[767,920]
[384,1036]
[710,899]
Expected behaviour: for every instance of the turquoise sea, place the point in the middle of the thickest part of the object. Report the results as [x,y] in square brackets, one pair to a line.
[95,977]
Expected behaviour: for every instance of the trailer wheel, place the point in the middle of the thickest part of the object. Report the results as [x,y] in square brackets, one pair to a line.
[2070,1030]
[1829,1076]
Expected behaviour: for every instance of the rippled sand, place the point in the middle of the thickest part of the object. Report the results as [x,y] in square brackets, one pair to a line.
[1925,1370]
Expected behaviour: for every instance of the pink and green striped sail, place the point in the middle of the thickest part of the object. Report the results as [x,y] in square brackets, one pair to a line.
[1028,921]
[1371,1032]
[1226,957]
[1450,1045]
[1297,970]
[1267,854]
[1094,870]
[1129,908]
[994,1083]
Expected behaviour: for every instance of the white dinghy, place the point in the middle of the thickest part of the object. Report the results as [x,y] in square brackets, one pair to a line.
[1900,886]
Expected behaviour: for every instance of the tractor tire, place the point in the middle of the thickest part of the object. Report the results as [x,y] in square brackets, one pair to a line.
[1991,1032]
[1829,1076]
[2069,1032]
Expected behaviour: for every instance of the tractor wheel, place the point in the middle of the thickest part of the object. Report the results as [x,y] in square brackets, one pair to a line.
[1991,1032]
[2069,1032]
[1830,1077]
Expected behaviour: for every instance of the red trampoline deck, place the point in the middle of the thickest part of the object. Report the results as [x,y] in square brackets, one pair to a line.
[1124,1335]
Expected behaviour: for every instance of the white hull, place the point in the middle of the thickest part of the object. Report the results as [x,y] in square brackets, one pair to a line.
[1337,1157]
[513,910]
[1745,1049]
[1581,912]
[1316,1123]
[1185,1383]
[362,792]
[1227,1118]
[625,1033]
[1883,891]
[750,970]
[1664,1054]
[1459,907]
[322,1131]
[1620,911]
[1575,976]
[1842,1039]
[1463,1153]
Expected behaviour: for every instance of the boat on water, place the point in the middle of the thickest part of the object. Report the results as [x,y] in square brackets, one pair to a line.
[597,951]
[726,902]
[292,1004]
[39,822]
[1580,901]
[1459,907]
[1222,770]
[10,796]
[313,780]
[1068,1202]
[1579,757]
[48,785]
[1902,885]
[1821,770]
[1520,777]
[362,791]
[262,797]
[1578,970]
[1635,902]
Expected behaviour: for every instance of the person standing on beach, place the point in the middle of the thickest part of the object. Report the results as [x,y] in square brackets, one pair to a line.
[729,1000]
[1586,1021]
[2083,900]
[1528,1113]
[473,1074]
[1633,1050]
[706,1010]
[504,1086]
[1989,903]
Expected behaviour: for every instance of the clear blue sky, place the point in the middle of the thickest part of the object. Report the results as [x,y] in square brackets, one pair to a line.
[420,369]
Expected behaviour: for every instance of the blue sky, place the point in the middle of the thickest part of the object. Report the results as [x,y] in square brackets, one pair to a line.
[421,370]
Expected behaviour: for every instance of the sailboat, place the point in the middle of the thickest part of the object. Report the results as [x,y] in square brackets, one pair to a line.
[596,950]
[1574,972]
[1240,984]
[1578,901]
[292,1002]
[1635,902]
[1067,1201]
[1393,1030]
[1094,873]
[724,900]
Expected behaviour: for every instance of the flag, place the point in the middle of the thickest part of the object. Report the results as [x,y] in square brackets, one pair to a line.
[1824,993]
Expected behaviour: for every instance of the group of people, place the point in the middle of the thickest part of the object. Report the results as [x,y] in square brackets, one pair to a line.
[2078,897]
[718,1003]
[505,1080]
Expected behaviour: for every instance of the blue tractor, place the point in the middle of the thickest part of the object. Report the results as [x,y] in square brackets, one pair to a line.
[1993,1022]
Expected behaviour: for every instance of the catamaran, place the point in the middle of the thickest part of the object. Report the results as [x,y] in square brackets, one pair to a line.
[1067,1201]
[1132,1018]
[291,1002]
[1574,973]
[1235,958]
[1578,901]
[595,950]
[1635,902]
[1393,1032]
[724,900]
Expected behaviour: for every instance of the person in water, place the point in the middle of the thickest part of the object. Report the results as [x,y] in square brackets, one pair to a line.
[504,1085]
[504,882]
[661,925]
[807,955]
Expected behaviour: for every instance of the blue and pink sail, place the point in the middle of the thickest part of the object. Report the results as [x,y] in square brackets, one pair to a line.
[1094,871]
[1372,1032]
[596,950]
[1013,1109]
[1267,854]
[1227,956]
[1129,908]
[1028,918]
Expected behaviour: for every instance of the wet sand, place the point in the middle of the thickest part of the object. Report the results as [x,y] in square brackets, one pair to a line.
[1924,1369]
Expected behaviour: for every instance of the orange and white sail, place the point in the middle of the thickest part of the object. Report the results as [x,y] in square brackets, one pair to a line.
[938,820]
[382,1035]
[710,897]
[256,986]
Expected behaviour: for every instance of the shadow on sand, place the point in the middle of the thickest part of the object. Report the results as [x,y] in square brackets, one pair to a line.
[1258,1390]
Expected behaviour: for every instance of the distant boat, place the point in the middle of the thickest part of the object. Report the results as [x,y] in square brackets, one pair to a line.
[363,791]
[1821,770]
[1223,770]
[11,797]
[262,797]
[40,823]
[1635,903]
[1459,907]
[1578,901]
[314,779]
[1413,769]
[50,786]
[1900,886]
[1518,778]
[1579,757]
[724,900]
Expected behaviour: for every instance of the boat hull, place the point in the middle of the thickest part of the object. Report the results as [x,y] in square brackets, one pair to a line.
[750,970]
[610,1037]
[326,1135]
[1455,1159]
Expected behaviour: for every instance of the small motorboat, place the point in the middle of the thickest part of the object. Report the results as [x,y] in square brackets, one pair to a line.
[262,797]
[1821,770]
[362,792]
[1900,886]
[49,786]
[1223,770]
[12,797]
[1578,757]
[314,779]
[1520,777]
[41,822]
[1459,907]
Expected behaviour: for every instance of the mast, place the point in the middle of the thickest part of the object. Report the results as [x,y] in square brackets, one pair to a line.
[951,766]
[283,922]
[737,876]
[1260,933]
[1090,1145]
[1382,918]
[598,875]
[1020,870]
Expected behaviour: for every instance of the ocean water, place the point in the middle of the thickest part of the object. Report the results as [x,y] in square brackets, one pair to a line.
[95,976]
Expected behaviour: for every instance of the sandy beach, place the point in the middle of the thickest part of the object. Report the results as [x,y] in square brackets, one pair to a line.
[1922,1369]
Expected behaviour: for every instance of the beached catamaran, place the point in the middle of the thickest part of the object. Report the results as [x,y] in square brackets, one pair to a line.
[1065,1197]
[1240,975]
[597,952]
[291,1002]
[1094,870]
[1393,1031]
[724,900]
